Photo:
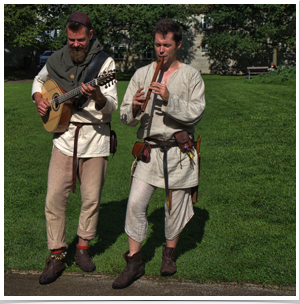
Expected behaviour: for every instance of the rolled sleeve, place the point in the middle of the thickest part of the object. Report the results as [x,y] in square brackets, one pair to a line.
[126,114]
[39,81]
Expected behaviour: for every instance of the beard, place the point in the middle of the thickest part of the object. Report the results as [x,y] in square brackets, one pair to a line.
[78,56]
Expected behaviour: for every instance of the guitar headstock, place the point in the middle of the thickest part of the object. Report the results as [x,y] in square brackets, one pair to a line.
[107,78]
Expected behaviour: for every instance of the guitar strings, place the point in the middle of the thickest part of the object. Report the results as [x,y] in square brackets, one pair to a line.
[62,98]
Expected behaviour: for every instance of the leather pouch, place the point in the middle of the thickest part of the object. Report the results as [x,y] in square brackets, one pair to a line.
[184,141]
[141,151]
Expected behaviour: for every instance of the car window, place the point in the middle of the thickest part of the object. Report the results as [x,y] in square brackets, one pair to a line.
[47,54]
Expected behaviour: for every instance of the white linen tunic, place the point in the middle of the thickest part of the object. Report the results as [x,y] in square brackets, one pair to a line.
[159,121]
[93,140]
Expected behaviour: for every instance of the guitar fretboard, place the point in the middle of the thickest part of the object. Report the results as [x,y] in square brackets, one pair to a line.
[101,80]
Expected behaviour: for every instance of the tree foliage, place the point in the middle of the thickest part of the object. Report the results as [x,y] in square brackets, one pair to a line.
[20,25]
[116,23]
[28,25]
[250,32]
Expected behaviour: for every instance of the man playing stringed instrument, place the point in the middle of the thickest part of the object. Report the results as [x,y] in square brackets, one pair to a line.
[167,158]
[82,149]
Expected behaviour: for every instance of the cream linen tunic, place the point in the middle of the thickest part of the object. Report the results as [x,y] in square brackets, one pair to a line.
[93,140]
[183,111]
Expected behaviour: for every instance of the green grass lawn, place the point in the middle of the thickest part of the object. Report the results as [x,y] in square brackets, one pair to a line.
[244,227]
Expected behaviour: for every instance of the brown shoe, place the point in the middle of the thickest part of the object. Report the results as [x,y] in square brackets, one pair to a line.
[84,260]
[131,272]
[53,269]
[168,266]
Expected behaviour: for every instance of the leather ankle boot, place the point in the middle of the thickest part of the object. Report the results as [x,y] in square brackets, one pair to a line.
[84,261]
[54,268]
[168,266]
[133,270]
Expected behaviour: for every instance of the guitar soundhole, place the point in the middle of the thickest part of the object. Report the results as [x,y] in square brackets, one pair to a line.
[55,104]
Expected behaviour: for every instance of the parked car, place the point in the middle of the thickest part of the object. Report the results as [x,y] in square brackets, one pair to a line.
[44,57]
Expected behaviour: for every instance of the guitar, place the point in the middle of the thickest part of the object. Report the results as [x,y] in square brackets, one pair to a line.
[58,116]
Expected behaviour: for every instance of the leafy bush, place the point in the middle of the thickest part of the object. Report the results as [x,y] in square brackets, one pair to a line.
[285,75]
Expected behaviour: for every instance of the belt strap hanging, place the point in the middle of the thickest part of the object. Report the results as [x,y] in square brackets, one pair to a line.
[166,177]
[78,126]
[164,147]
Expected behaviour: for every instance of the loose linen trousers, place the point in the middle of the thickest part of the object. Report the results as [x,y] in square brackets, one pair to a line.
[91,173]
[136,224]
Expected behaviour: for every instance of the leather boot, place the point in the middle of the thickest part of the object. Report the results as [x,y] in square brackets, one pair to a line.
[131,272]
[54,268]
[84,260]
[168,266]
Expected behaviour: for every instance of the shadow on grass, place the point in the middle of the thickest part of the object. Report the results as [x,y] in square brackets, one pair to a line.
[110,226]
[190,236]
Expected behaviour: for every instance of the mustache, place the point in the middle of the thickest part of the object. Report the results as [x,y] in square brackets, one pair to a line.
[76,47]
[77,54]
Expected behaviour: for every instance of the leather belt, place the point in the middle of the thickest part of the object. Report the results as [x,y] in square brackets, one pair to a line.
[161,143]
[164,147]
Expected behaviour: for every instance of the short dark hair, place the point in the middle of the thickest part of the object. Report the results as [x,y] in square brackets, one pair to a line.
[164,26]
[76,26]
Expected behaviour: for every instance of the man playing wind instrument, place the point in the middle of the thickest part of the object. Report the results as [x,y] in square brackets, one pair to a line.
[168,158]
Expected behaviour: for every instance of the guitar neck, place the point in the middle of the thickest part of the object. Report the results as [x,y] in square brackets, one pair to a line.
[100,81]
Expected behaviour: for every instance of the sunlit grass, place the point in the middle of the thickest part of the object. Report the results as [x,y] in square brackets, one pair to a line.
[244,227]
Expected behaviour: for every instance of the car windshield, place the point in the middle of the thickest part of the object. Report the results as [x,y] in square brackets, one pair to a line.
[47,53]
